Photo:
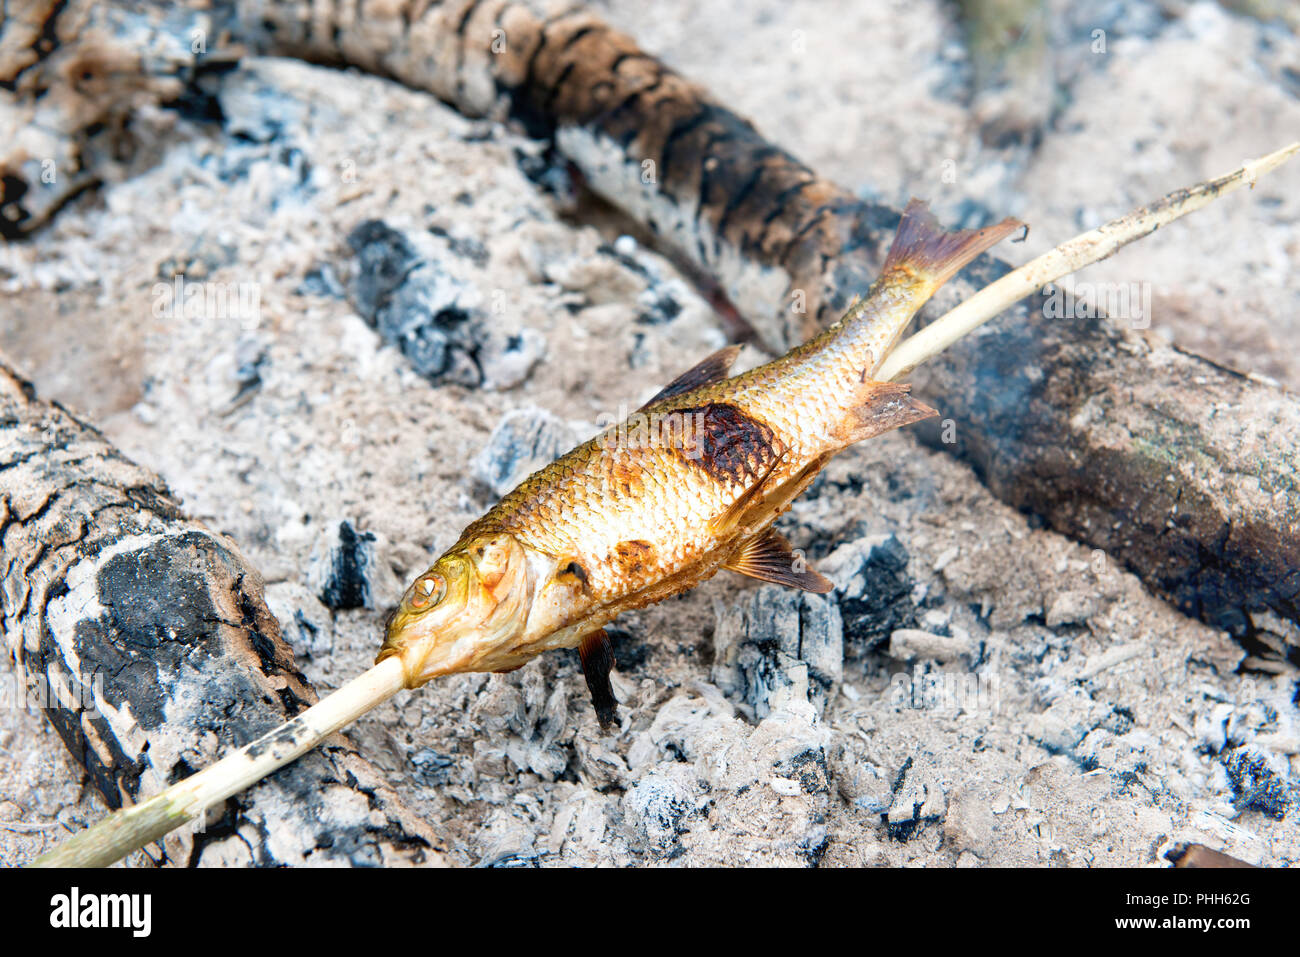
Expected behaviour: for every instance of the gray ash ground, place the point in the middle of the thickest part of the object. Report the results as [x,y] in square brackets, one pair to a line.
[431,323]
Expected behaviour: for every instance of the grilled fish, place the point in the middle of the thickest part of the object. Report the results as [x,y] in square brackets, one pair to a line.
[687,485]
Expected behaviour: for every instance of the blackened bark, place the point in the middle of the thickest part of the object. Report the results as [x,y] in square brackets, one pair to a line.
[146,639]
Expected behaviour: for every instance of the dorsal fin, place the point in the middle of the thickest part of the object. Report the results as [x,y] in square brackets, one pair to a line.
[770,558]
[714,368]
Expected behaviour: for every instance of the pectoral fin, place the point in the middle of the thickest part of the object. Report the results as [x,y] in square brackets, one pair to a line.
[766,498]
[745,503]
[597,656]
[770,558]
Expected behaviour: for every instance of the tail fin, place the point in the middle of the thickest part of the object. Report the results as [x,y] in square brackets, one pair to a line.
[923,249]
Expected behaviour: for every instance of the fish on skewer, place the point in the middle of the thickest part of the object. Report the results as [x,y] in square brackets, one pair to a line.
[501,575]
[691,483]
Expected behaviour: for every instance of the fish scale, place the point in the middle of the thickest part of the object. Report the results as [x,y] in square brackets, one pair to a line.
[688,484]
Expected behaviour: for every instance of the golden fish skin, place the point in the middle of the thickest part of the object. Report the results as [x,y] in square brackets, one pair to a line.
[690,483]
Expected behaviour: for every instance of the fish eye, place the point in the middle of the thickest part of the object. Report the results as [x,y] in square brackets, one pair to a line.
[427,591]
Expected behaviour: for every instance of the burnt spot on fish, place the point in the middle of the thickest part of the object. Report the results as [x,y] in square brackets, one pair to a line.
[572,573]
[624,473]
[729,445]
[633,556]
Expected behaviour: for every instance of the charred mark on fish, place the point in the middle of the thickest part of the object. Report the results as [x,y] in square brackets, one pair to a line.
[633,556]
[574,572]
[731,446]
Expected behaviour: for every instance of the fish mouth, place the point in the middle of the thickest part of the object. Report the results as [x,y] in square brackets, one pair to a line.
[461,644]
[413,637]
[414,642]
[394,641]
[389,620]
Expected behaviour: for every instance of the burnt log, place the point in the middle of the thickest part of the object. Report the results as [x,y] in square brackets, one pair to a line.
[73,76]
[145,639]
[1183,469]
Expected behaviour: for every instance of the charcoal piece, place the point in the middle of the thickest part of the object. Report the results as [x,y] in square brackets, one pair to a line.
[779,640]
[348,565]
[877,597]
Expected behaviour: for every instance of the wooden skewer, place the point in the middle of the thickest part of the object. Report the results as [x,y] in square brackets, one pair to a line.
[132,828]
[1072,255]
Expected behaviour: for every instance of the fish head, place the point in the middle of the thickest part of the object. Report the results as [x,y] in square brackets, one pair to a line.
[464,613]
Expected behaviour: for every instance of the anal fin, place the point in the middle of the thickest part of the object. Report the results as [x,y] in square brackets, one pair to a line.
[597,654]
[770,558]
[882,407]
